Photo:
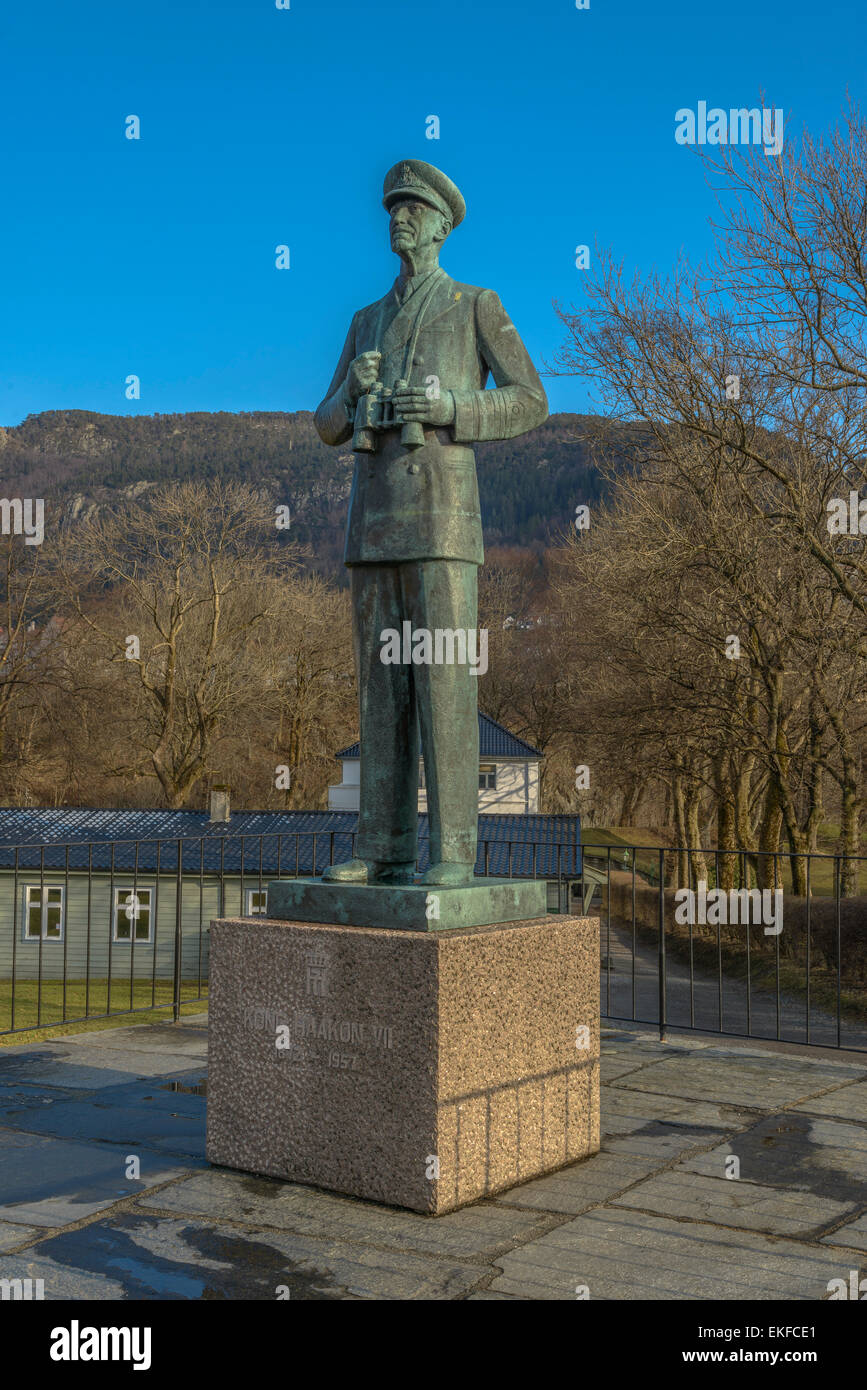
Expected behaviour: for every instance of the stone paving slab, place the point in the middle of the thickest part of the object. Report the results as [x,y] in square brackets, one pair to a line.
[847,1103]
[144,1256]
[85,1067]
[827,1158]
[611,1067]
[662,1143]
[143,1112]
[626,1255]
[17,1098]
[624,1160]
[489,1296]
[481,1230]
[168,1037]
[853,1234]
[154,1127]
[642,1047]
[625,1112]
[15,1235]
[733,1202]
[582,1185]
[62,1282]
[52,1182]
[765,1082]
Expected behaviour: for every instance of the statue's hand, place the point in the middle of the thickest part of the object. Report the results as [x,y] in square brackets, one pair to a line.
[363,372]
[413,404]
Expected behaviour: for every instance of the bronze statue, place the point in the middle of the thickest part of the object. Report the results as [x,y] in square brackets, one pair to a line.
[409,391]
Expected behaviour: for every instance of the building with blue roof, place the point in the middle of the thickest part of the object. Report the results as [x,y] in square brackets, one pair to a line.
[89,894]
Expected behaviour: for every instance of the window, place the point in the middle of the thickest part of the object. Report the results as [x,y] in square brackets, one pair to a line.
[487,777]
[43,913]
[257,902]
[421,781]
[132,905]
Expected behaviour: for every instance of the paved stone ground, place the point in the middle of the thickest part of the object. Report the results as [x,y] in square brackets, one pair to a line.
[652,1216]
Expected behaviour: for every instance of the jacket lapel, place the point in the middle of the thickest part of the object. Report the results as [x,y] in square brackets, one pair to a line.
[445,299]
[397,321]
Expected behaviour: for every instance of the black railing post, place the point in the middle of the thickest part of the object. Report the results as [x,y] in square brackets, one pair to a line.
[838,887]
[156,923]
[179,919]
[65,918]
[634,855]
[17,926]
[89,917]
[661,963]
[809,925]
[222,890]
[608,936]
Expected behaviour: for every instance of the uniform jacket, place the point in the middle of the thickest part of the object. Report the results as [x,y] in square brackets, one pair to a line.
[424,504]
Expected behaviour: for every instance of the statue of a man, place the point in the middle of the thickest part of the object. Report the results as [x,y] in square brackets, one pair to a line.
[409,390]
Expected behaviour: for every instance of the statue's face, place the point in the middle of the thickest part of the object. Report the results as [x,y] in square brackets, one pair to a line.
[415,225]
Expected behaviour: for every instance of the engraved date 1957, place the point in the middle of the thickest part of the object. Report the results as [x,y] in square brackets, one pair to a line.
[346,1061]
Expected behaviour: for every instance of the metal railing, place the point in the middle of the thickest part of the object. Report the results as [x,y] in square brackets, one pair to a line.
[127,933]
[96,929]
[741,943]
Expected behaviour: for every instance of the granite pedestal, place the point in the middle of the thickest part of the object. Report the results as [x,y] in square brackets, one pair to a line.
[423,1069]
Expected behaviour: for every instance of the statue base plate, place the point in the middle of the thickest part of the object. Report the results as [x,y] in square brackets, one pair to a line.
[421,1069]
[410,907]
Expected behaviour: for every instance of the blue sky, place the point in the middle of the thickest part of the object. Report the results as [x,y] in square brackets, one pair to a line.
[262,127]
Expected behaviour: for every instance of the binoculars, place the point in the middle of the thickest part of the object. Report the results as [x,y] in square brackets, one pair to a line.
[376,412]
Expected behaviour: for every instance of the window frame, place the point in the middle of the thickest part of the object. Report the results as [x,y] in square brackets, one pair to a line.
[117,906]
[487,770]
[29,888]
[252,911]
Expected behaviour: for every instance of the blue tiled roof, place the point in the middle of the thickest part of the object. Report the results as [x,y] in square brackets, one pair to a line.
[271,841]
[495,741]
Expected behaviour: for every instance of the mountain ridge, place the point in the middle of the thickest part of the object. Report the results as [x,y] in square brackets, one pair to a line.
[78,459]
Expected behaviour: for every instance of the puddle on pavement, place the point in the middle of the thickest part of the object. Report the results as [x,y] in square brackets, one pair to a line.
[196,1088]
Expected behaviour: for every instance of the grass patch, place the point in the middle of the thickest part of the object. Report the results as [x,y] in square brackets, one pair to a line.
[45,1016]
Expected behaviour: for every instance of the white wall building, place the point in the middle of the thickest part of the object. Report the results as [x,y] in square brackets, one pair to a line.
[508,774]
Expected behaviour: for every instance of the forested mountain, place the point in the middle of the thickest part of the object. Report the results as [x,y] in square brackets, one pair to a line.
[76,459]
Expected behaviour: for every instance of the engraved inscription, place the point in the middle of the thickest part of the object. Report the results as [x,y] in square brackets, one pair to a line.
[298,1041]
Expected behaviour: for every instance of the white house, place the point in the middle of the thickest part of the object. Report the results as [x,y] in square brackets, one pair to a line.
[508,774]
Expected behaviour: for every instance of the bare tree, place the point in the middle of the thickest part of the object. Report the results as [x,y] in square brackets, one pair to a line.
[172,591]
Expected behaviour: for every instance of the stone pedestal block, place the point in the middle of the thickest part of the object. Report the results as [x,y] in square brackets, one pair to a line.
[420,1069]
[413,907]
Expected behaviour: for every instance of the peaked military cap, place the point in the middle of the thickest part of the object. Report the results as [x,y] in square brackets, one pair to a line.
[412,178]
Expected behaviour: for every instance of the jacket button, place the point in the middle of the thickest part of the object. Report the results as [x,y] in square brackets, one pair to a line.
[413,468]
